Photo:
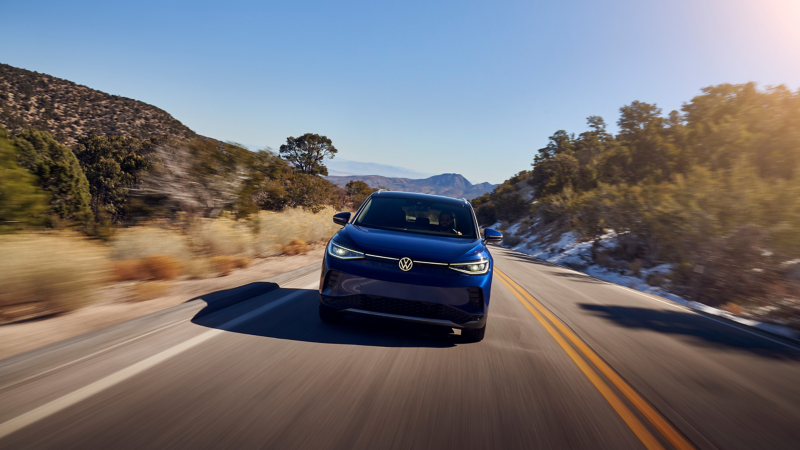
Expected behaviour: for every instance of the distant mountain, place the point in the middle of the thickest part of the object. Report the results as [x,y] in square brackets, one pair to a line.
[449,184]
[345,167]
[68,110]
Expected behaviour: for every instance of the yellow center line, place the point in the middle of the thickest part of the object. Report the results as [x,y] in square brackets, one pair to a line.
[664,427]
[635,425]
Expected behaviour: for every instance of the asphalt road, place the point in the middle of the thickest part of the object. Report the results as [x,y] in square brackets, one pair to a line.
[568,362]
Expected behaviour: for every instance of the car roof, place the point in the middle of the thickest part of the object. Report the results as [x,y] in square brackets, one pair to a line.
[422,197]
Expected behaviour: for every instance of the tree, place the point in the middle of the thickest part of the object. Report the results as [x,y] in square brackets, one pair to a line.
[357,191]
[112,165]
[307,152]
[59,173]
[560,142]
[21,200]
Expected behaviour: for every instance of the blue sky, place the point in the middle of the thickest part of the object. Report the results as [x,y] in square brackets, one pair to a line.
[453,86]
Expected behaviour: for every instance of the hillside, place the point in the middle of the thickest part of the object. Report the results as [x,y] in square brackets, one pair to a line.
[69,110]
[703,203]
[449,184]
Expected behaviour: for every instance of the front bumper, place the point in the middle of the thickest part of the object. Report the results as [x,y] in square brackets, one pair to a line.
[432,295]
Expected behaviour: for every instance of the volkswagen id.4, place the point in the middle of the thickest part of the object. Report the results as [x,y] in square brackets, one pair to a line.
[412,257]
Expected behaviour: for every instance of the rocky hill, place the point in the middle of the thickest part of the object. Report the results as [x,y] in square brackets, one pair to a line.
[68,110]
[449,184]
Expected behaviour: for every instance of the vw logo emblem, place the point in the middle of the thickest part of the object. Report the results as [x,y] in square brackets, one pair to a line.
[406,264]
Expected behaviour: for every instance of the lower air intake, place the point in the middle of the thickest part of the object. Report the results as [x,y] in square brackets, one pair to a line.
[411,308]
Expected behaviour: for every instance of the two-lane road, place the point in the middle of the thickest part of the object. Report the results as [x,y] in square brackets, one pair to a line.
[568,362]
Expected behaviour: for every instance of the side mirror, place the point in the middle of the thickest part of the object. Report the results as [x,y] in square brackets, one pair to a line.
[341,218]
[491,236]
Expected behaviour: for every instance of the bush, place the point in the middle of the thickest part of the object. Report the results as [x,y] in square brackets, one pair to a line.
[50,273]
[296,247]
[510,240]
[153,267]
[128,270]
[162,267]
[222,265]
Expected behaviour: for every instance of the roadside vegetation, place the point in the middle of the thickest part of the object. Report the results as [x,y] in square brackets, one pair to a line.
[146,212]
[712,191]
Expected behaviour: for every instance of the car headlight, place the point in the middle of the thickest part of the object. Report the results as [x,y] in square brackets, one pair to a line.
[337,251]
[472,268]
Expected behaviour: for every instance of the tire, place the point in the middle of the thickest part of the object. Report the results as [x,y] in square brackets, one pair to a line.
[330,315]
[474,335]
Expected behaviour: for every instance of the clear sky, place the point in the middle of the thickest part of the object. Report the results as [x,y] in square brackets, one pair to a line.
[472,87]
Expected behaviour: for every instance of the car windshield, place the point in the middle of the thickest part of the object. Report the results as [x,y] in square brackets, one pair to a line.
[415,216]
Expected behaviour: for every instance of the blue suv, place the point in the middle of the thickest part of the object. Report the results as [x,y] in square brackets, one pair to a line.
[413,257]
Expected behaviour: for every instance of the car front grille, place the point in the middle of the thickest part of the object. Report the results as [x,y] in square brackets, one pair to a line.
[412,308]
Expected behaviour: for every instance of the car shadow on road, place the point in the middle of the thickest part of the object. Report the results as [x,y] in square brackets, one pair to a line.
[298,320]
[701,330]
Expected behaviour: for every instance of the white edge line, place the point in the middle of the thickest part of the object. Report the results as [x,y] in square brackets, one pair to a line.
[98,386]
[672,304]
[92,354]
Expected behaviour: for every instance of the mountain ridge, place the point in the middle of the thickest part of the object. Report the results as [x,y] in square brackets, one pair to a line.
[447,184]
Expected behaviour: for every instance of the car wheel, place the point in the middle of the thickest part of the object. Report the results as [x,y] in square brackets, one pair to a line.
[474,335]
[330,315]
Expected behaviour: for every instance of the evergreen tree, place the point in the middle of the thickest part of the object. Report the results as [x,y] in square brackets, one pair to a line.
[58,172]
[113,165]
[21,200]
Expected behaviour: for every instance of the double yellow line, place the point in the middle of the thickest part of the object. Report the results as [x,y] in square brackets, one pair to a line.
[551,323]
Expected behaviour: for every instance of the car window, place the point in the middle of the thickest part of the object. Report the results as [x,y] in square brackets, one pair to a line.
[414,216]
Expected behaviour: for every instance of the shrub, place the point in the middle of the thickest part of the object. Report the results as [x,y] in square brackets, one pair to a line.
[222,265]
[162,267]
[511,241]
[296,247]
[635,267]
[127,270]
[48,273]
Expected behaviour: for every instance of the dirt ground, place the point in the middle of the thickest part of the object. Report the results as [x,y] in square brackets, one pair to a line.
[118,303]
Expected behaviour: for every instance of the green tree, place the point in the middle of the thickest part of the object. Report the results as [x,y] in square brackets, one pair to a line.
[21,200]
[356,192]
[113,165]
[59,173]
[307,152]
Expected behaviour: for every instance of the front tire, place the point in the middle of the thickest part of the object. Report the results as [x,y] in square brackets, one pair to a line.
[474,335]
[330,315]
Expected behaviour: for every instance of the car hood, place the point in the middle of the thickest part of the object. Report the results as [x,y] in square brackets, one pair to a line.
[399,244]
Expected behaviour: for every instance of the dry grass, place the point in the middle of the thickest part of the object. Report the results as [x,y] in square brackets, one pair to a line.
[222,265]
[149,290]
[48,273]
[162,267]
[153,267]
[51,273]
[141,242]
[275,230]
[221,237]
[296,247]
[126,270]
